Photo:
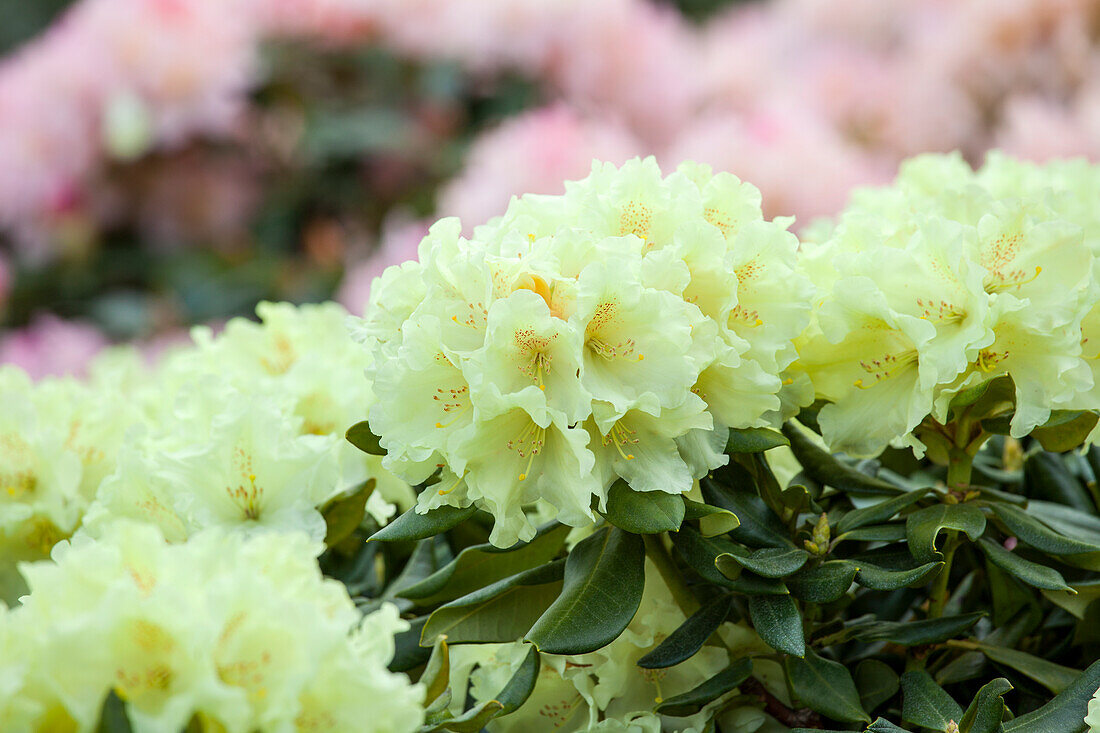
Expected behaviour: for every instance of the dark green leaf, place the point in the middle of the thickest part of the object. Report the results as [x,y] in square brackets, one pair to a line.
[926,703]
[760,527]
[699,552]
[1034,574]
[423,562]
[754,440]
[877,682]
[876,533]
[1066,712]
[604,579]
[1075,602]
[823,584]
[713,520]
[643,512]
[769,562]
[1033,532]
[778,622]
[879,512]
[987,709]
[344,513]
[471,721]
[480,565]
[924,525]
[827,470]
[437,674]
[522,684]
[690,636]
[1066,520]
[826,686]
[112,716]
[1052,676]
[412,526]
[879,578]
[882,725]
[915,633]
[361,437]
[1047,478]
[697,698]
[1065,430]
[500,612]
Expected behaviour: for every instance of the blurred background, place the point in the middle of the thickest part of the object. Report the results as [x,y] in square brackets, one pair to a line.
[171,162]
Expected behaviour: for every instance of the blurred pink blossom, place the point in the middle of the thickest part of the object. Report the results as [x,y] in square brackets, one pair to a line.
[802,166]
[398,243]
[50,346]
[534,152]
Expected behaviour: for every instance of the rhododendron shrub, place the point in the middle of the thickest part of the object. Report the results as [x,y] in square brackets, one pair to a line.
[662,468]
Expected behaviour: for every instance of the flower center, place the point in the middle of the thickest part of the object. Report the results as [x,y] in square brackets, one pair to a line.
[453,402]
[528,445]
[619,435]
[886,366]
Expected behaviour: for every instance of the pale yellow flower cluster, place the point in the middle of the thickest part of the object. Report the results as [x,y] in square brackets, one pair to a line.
[615,332]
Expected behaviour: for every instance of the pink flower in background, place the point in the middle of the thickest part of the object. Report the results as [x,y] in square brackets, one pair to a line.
[534,152]
[398,243]
[802,166]
[50,346]
[1038,129]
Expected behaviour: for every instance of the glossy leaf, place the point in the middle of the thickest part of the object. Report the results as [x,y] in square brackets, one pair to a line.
[876,577]
[778,622]
[700,552]
[754,440]
[412,526]
[986,711]
[759,525]
[361,436]
[926,703]
[827,470]
[923,526]
[500,612]
[893,532]
[437,674]
[480,565]
[879,512]
[877,682]
[1065,430]
[1052,676]
[345,513]
[1033,532]
[690,636]
[915,633]
[1034,574]
[826,686]
[471,721]
[698,697]
[643,512]
[1066,712]
[604,580]
[522,684]
[823,584]
[1047,478]
[713,521]
[769,562]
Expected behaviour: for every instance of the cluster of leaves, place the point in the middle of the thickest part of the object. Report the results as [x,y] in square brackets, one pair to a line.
[892,602]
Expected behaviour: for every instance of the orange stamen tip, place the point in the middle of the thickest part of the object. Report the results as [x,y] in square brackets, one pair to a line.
[630,456]
[439,424]
[641,356]
[542,388]
[522,476]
